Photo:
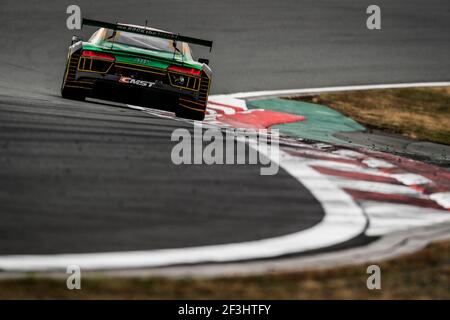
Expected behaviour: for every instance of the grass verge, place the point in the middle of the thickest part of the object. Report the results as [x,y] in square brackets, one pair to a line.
[419,113]
[422,275]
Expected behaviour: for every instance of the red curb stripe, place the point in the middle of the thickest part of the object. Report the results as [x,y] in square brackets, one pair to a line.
[259,119]
[395,198]
[355,175]
[303,154]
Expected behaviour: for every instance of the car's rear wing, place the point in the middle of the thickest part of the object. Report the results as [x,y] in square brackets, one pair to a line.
[148,32]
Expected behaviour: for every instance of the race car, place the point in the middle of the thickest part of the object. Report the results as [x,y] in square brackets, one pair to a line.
[138,65]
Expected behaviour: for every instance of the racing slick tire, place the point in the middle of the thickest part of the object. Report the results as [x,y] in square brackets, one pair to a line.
[186,113]
[72,94]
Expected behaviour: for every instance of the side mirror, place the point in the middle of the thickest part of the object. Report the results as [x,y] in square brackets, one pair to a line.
[75,39]
[205,61]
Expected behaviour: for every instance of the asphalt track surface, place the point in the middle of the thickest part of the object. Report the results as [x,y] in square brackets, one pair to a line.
[85,177]
[92,178]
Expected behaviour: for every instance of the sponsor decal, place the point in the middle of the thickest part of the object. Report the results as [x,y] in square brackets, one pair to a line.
[136,82]
[142,61]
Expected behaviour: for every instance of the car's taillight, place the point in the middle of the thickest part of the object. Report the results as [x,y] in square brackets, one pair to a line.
[190,71]
[98,55]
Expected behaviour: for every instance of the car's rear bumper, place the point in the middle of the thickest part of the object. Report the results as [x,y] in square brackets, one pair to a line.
[157,94]
[150,97]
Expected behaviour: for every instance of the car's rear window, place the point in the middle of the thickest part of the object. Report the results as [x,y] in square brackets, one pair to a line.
[140,41]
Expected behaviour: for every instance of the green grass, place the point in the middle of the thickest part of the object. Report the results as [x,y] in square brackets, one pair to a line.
[423,275]
[420,113]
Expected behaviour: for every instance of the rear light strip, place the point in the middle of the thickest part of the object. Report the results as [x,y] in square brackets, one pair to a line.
[190,71]
[98,55]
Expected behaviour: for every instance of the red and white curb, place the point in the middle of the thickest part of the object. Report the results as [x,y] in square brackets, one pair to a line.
[227,112]
[361,192]
[394,193]
[380,183]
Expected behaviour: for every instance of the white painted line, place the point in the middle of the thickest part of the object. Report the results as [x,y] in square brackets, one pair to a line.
[391,217]
[410,178]
[442,198]
[291,92]
[377,163]
[378,187]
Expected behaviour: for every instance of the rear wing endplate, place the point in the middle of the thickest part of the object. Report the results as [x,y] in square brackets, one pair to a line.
[148,32]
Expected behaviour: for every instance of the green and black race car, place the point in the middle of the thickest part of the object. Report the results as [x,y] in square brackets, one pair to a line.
[138,65]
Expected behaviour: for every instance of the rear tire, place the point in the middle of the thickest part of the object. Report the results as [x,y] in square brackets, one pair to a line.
[73,94]
[186,113]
